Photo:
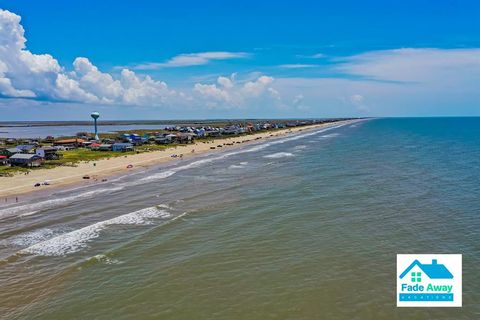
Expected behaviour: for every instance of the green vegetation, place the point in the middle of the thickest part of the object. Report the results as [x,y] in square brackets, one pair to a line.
[72,157]
[8,171]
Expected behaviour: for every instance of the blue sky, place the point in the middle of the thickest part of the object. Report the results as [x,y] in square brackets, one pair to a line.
[214,59]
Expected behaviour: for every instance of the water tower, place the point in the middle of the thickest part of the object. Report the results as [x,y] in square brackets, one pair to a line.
[95,115]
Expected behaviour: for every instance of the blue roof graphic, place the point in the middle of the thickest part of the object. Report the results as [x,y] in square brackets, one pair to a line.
[433,271]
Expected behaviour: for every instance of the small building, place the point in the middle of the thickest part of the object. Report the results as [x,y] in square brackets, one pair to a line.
[49,153]
[185,137]
[105,147]
[26,148]
[213,133]
[163,140]
[122,147]
[26,160]
[10,152]
[69,143]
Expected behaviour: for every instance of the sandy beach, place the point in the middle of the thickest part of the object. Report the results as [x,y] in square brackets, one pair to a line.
[105,168]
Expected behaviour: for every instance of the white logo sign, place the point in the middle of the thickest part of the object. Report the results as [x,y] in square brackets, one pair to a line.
[429,280]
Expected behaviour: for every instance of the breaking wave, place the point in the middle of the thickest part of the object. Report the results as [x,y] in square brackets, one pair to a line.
[33,208]
[78,239]
[279,155]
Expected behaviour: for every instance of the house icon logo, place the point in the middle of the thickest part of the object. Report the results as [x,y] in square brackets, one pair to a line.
[428,280]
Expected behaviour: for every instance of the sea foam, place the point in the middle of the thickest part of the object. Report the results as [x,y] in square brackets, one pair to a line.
[279,155]
[33,208]
[78,239]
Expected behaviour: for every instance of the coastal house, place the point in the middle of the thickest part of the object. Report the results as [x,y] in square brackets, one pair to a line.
[26,160]
[200,132]
[122,147]
[185,138]
[48,153]
[231,130]
[26,148]
[163,140]
[105,147]
[72,143]
[213,133]
[10,152]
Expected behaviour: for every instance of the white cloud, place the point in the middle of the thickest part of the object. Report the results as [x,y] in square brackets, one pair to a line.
[39,76]
[257,87]
[192,59]
[401,82]
[297,66]
[24,74]
[426,65]
[312,56]
[230,93]
[226,82]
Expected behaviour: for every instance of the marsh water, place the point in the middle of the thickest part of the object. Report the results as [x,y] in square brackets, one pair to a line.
[303,227]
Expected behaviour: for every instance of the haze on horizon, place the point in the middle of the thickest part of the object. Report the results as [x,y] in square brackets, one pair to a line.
[225,59]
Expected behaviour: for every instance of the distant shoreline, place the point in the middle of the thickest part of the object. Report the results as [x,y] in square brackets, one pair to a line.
[106,168]
[26,124]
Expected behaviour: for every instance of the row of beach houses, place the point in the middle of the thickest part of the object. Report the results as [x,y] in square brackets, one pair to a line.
[35,152]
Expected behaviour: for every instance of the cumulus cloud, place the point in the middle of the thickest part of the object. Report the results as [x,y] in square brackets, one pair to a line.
[26,75]
[192,59]
[228,92]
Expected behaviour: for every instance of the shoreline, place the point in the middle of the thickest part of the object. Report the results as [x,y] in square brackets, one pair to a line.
[65,176]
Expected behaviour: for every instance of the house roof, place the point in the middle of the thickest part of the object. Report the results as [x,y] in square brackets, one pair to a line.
[70,141]
[433,271]
[13,150]
[25,147]
[26,156]
[122,145]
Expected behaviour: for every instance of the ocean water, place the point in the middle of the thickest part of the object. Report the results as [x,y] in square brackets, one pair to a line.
[304,227]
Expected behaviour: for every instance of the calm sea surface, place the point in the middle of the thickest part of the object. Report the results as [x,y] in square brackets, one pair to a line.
[305,227]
